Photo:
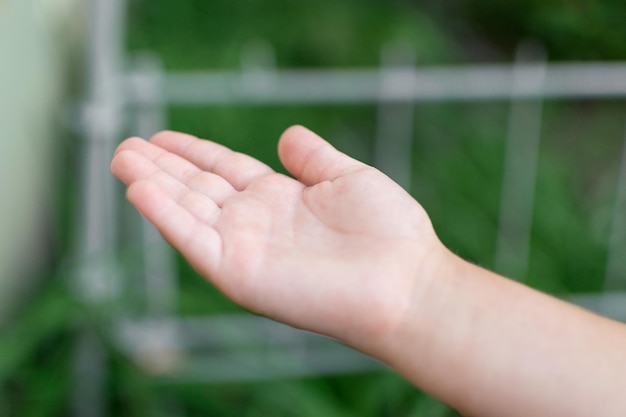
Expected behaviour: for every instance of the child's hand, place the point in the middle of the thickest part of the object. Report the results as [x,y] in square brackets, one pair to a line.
[344,251]
[337,250]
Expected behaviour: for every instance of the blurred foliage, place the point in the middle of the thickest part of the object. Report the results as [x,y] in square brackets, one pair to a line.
[210,34]
[35,353]
[570,30]
[458,162]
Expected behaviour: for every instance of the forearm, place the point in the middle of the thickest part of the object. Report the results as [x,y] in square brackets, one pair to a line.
[492,347]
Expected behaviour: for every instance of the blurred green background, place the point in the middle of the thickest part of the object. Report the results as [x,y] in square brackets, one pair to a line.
[458,162]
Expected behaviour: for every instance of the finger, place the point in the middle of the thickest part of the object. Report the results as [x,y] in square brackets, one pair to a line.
[137,159]
[311,159]
[236,168]
[139,168]
[200,243]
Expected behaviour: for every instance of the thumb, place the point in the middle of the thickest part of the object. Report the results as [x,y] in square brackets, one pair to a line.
[311,159]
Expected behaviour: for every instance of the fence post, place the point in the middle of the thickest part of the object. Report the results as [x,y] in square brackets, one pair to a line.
[520,169]
[95,278]
[159,269]
[615,278]
[394,129]
[258,69]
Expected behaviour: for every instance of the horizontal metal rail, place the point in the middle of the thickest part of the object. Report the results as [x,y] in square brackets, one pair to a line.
[236,347]
[464,83]
[233,347]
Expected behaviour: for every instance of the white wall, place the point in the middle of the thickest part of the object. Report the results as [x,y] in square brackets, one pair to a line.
[34,42]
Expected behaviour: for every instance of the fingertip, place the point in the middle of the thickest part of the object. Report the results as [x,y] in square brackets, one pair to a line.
[136,190]
[291,141]
[118,161]
[121,163]
[291,133]
[296,130]
[128,143]
[131,191]
[113,164]
[144,195]
[310,158]
[170,135]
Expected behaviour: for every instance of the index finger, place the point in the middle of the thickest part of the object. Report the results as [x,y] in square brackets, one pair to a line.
[236,168]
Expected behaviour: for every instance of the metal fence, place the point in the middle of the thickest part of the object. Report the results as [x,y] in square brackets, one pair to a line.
[210,348]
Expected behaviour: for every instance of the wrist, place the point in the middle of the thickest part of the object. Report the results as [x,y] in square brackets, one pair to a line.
[414,315]
[431,329]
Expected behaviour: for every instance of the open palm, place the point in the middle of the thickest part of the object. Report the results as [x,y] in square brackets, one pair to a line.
[338,243]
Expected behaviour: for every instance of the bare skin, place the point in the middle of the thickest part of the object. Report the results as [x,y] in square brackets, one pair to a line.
[342,250]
